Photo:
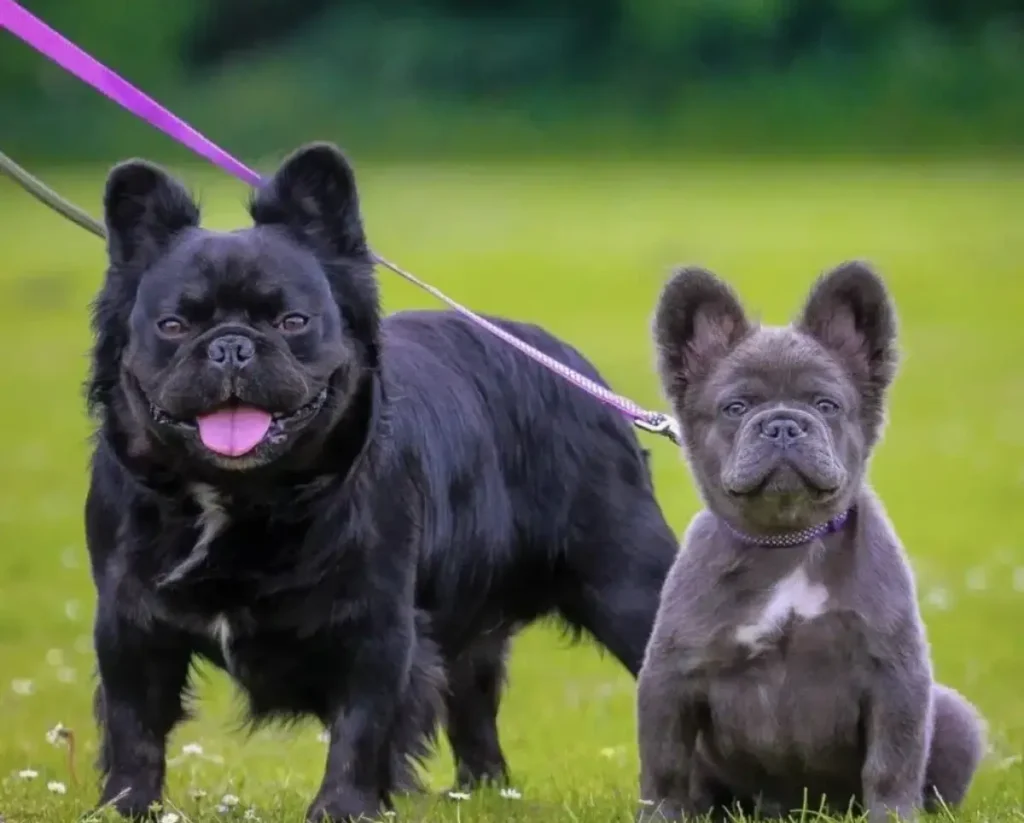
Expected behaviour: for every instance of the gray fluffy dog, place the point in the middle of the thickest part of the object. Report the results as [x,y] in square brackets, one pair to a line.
[788,663]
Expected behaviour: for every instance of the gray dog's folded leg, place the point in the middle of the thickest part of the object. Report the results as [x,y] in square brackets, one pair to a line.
[958,744]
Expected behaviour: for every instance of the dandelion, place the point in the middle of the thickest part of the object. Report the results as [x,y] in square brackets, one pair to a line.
[458,795]
[23,687]
[511,794]
[28,774]
[197,794]
[192,750]
[229,800]
[57,787]
[170,817]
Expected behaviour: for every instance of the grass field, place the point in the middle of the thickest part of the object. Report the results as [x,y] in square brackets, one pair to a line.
[582,250]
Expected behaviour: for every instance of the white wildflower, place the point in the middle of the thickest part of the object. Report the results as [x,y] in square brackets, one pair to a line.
[192,749]
[28,774]
[229,800]
[250,814]
[58,734]
[459,795]
[23,687]
[55,658]
[976,580]
[170,817]
[511,794]
[324,736]
[938,598]
[197,794]
[222,809]
[57,787]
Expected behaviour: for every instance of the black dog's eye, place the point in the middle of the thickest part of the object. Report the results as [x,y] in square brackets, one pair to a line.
[171,326]
[826,407]
[292,322]
[737,408]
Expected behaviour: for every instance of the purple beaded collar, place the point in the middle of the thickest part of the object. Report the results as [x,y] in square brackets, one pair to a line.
[788,541]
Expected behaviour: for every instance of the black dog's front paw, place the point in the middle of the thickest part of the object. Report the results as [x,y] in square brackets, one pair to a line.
[344,806]
[130,800]
[656,811]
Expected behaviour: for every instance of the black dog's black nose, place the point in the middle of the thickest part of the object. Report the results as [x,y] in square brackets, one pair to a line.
[231,350]
[783,430]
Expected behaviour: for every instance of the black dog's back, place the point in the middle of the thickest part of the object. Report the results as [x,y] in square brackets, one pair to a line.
[540,496]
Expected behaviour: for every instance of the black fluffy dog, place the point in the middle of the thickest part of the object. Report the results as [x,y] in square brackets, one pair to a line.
[351,515]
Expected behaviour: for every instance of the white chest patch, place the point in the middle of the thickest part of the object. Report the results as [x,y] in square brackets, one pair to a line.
[220,630]
[212,521]
[794,595]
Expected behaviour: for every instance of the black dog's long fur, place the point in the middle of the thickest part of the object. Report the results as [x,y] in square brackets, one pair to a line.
[370,571]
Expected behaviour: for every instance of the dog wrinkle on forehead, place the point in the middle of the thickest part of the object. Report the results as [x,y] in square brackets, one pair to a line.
[778,358]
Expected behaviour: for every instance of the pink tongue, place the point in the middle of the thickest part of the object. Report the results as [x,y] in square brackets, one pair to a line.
[233,431]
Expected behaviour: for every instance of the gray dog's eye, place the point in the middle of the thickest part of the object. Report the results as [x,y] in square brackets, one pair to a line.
[826,407]
[292,322]
[171,326]
[736,408]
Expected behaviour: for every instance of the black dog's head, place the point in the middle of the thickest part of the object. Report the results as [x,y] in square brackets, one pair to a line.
[778,422]
[232,348]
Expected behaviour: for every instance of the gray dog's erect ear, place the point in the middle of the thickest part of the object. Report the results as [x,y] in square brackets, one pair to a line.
[699,319]
[850,313]
[314,195]
[144,209]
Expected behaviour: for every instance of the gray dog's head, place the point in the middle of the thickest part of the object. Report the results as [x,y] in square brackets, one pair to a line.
[778,423]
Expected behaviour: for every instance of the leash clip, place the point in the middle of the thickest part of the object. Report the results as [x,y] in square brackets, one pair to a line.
[662,424]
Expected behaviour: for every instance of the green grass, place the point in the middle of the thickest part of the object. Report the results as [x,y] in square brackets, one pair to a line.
[582,249]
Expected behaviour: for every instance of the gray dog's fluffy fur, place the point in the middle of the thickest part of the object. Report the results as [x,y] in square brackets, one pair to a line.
[777,677]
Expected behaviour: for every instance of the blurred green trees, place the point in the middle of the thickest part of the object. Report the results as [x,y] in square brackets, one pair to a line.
[748,74]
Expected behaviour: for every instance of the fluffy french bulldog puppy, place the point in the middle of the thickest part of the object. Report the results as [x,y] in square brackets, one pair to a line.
[788,662]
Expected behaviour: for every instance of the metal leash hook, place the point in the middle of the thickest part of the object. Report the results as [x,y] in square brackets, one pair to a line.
[50,43]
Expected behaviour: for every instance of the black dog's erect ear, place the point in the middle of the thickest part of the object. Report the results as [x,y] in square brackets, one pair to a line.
[144,208]
[314,194]
[850,313]
[699,319]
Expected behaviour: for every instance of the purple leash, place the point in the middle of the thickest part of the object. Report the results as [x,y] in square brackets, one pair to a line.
[33,31]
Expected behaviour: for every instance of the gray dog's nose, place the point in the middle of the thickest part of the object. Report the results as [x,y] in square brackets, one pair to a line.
[231,350]
[782,430]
